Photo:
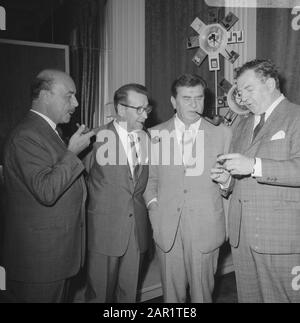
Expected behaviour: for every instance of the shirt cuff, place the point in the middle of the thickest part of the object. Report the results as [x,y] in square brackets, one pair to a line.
[257,170]
[153,200]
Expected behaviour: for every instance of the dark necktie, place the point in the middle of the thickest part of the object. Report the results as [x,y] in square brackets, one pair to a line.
[60,134]
[259,126]
[134,157]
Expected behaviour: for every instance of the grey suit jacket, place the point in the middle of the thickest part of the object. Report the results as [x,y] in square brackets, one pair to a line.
[269,206]
[115,200]
[174,190]
[44,233]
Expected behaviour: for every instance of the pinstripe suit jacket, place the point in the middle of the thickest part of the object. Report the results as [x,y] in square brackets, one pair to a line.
[269,206]
[44,235]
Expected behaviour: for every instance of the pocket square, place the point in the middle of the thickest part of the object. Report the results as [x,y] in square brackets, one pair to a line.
[278,135]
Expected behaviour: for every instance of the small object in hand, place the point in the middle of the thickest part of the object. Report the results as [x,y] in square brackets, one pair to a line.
[222,161]
[86,129]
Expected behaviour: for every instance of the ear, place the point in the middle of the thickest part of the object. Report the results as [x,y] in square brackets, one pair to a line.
[45,95]
[173,101]
[121,110]
[271,84]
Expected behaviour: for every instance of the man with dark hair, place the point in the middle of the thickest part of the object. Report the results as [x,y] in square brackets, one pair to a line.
[264,212]
[44,219]
[118,225]
[185,205]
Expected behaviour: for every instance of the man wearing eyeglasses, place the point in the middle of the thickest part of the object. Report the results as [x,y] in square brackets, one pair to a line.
[118,225]
[185,205]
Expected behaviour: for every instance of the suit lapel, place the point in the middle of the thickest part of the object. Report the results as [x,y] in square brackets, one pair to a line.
[271,122]
[45,127]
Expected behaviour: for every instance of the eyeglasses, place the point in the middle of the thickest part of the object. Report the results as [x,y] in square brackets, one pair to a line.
[139,110]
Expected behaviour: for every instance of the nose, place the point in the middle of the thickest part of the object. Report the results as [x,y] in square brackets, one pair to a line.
[243,96]
[193,102]
[145,114]
[74,101]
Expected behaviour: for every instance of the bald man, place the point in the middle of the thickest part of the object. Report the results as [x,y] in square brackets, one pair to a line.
[44,219]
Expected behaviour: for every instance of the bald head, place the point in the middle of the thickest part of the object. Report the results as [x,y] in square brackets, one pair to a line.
[53,94]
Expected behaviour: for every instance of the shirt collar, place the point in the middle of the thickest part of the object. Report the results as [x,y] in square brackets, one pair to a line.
[50,122]
[179,125]
[123,133]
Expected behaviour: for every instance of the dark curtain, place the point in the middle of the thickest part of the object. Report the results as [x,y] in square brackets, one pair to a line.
[80,23]
[167,28]
[278,41]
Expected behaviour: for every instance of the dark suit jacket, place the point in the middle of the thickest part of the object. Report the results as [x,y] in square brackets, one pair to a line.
[269,205]
[115,201]
[44,214]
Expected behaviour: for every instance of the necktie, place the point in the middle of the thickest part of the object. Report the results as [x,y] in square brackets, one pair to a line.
[134,158]
[60,134]
[259,126]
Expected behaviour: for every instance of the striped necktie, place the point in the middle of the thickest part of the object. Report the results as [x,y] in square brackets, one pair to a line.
[134,158]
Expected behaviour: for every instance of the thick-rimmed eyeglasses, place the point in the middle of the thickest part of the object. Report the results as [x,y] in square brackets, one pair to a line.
[139,110]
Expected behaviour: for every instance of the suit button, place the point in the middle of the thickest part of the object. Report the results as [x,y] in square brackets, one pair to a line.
[130,215]
[185,191]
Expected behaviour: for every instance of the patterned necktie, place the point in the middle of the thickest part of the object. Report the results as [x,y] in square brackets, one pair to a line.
[259,126]
[134,158]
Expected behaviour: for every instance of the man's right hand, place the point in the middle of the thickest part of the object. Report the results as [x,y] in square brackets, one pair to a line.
[79,141]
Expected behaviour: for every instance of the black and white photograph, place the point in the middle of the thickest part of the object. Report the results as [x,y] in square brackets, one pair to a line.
[149,154]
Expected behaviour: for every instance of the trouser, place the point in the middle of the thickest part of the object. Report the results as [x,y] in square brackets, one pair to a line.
[114,279]
[184,265]
[264,277]
[24,292]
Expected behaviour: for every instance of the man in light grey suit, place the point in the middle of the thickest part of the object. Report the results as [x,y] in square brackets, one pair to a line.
[264,212]
[185,205]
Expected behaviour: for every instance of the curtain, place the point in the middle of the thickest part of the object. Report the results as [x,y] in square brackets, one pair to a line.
[167,28]
[278,39]
[85,54]
[80,24]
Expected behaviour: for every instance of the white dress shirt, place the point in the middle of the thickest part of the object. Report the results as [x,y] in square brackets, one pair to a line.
[125,140]
[257,170]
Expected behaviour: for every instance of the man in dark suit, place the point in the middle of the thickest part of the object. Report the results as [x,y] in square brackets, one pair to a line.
[264,212]
[185,205]
[118,227]
[44,217]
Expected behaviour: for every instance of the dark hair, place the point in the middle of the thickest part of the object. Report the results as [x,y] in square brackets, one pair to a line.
[39,84]
[262,67]
[121,94]
[187,80]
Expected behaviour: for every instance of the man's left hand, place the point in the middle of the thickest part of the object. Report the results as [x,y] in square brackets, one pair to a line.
[237,164]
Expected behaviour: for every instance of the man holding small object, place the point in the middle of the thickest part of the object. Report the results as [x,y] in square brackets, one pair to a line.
[44,234]
[263,173]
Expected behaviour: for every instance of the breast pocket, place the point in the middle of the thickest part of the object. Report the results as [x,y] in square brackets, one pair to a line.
[275,149]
